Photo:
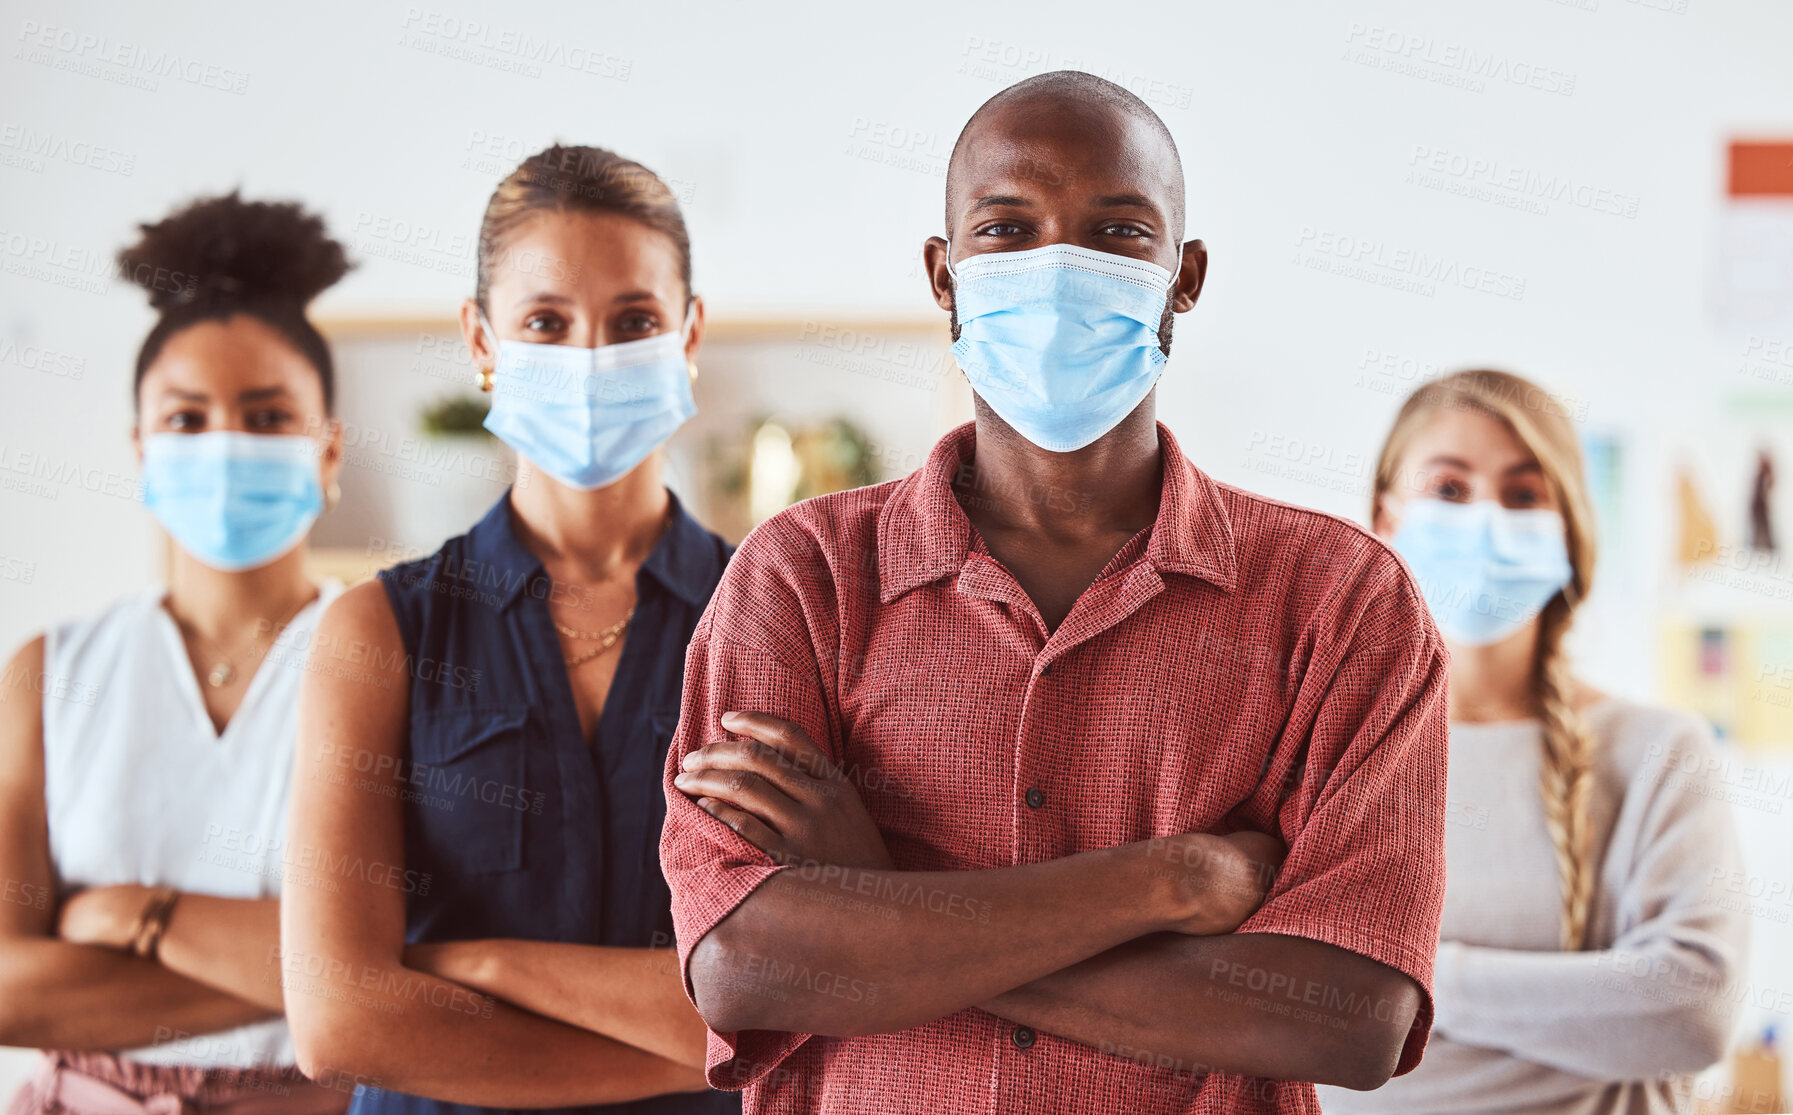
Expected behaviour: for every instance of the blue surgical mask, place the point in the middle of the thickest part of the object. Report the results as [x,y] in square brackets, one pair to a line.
[586,416]
[234,501]
[1484,570]
[1060,341]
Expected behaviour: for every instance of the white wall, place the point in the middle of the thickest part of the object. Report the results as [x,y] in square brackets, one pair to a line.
[810,143]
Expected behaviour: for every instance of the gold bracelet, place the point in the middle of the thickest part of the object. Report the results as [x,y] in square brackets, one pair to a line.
[146,937]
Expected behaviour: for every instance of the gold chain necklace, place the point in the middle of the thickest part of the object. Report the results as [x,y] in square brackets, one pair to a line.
[224,670]
[606,638]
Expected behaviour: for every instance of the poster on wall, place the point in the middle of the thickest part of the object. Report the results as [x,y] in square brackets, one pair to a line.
[1727,641]
[1753,279]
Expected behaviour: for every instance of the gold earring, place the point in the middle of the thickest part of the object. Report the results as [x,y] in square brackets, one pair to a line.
[485,380]
[333,496]
[691,366]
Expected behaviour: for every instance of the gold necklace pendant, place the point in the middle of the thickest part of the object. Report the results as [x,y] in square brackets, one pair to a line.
[224,671]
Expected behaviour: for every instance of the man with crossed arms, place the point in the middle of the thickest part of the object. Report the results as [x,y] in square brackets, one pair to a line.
[974,801]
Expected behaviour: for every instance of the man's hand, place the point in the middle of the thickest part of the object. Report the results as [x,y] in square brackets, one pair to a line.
[102,916]
[1216,881]
[783,795]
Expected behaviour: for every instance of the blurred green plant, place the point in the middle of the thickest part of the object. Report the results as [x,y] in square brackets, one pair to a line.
[835,455]
[456,416]
[816,458]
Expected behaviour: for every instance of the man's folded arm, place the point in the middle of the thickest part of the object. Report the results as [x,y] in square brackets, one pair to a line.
[1329,982]
[1255,1004]
[773,954]
[848,951]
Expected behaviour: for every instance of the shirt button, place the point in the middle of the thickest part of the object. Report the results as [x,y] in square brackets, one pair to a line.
[1022,1037]
[1035,798]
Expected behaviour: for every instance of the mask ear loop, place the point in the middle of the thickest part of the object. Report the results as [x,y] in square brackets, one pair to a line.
[487,376]
[1170,291]
[954,276]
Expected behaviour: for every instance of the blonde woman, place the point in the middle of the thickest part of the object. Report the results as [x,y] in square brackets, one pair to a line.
[1585,965]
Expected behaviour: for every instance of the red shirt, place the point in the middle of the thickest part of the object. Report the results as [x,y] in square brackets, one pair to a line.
[1242,663]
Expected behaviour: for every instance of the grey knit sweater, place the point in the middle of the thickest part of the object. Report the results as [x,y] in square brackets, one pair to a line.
[1621,1026]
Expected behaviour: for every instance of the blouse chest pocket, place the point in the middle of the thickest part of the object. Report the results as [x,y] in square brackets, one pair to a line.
[465,790]
[659,729]
[632,777]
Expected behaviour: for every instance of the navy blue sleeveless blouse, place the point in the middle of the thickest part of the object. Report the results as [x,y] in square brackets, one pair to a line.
[522,828]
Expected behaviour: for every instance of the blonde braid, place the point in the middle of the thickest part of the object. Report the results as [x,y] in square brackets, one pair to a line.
[1566,776]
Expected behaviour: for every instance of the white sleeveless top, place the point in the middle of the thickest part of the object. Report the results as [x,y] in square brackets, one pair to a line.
[141,789]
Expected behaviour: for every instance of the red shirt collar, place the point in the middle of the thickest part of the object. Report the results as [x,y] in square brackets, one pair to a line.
[923,533]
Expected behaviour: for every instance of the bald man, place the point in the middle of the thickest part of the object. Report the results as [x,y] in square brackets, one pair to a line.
[1057,776]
